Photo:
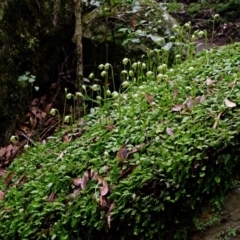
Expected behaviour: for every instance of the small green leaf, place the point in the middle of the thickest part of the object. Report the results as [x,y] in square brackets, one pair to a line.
[31,80]
[217,179]
[202,174]
[22,78]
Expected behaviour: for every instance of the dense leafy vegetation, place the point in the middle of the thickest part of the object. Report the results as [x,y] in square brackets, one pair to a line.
[141,163]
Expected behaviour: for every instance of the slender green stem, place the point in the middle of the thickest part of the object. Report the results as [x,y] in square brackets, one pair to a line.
[64,107]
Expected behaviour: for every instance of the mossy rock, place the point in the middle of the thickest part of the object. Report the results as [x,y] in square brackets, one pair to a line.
[141,166]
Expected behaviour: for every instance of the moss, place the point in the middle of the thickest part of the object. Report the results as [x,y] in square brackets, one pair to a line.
[194,8]
[175,7]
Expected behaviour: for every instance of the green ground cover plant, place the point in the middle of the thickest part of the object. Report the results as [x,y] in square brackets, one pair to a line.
[141,164]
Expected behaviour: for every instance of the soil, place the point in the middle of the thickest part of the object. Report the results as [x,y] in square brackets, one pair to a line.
[226,28]
[228,226]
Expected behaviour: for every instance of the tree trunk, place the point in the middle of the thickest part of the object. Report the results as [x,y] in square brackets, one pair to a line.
[79,65]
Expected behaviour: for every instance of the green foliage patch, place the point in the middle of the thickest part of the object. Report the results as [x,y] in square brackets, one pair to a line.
[140,166]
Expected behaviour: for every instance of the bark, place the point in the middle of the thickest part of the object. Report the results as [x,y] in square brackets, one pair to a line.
[3,4]
[79,66]
[56,9]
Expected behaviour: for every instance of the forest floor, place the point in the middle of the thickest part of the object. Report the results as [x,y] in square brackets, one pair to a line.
[227,227]
[221,21]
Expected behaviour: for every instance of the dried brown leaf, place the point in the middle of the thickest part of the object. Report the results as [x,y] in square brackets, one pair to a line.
[149,98]
[200,99]
[209,81]
[126,172]
[60,155]
[190,103]
[48,108]
[85,179]
[81,123]
[49,121]
[212,114]
[33,122]
[122,154]
[100,179]
[169,131]
[9,177]
[232,84]
[2,172]
[66,138]
[108,215]
[51,197]
[2,151]
[37,112]
[77,182]
[110,127]
[21,180]
[43,115]
[34,102]
[216,121]
[1,195]
[103,203]
[136,149]
[104,188]
[229,103]
[10,151]
[175,92]
[177,107]
[75,193]
[93,175]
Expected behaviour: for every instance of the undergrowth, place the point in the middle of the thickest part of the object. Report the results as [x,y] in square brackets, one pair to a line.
[141,164]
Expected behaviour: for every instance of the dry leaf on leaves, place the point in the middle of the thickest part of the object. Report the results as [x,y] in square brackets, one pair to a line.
[48,108]
[190,103]
[177,107]
[8,178]
[2,172]
[81,182]
[200,99]
[122,154]
[77,182]
[103,203]
[175,92]
[126,172]
[169,131]
[232,84]
[2,152]
[149,98]
[51,197]
[21,180]
[93,174]
[134,150]
[60,155]
[66,138]
[209,81]
[229,103]
[75,193]
[216,121]
[108,214]
[110,127]
[104,188]
[85,179]
[1,195]
[10,151]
